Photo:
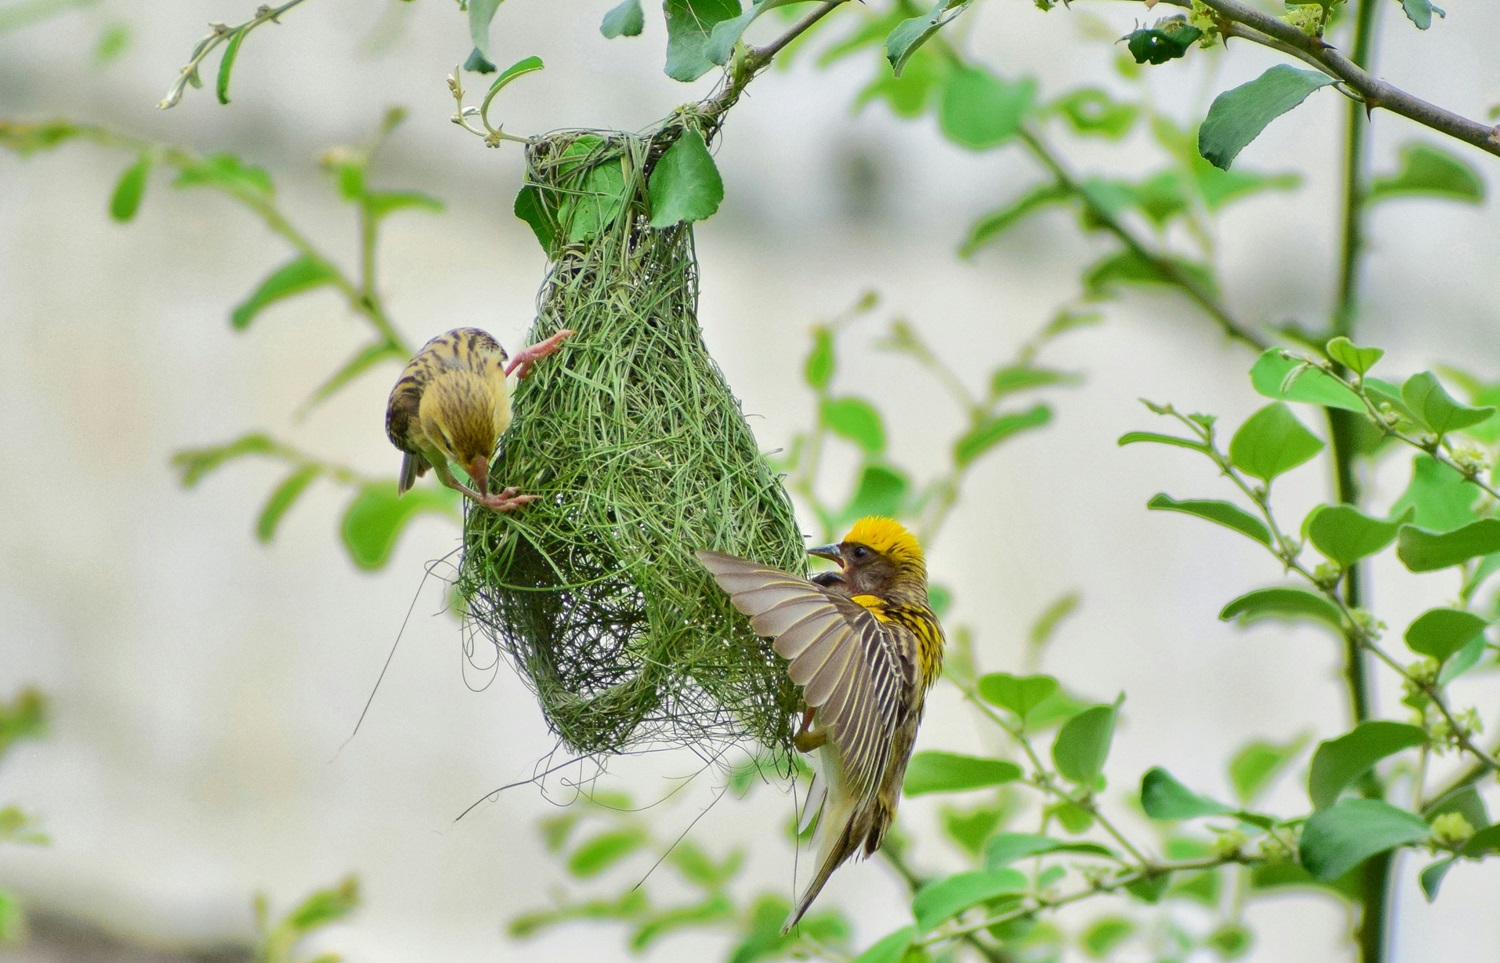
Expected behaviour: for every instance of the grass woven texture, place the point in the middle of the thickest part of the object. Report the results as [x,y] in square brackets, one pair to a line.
[641,456]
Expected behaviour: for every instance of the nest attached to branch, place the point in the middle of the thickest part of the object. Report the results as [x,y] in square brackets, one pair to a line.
[641,455]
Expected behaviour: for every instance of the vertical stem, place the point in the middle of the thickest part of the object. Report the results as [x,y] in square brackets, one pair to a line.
[1375,877]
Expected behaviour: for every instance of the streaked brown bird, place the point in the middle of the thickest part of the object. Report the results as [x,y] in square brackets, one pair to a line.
[452,403]
[865,646]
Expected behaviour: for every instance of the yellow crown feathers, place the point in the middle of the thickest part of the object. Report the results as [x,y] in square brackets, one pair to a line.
[888,537]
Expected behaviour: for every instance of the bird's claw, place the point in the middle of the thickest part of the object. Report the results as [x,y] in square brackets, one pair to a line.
[507,500]
[520,364]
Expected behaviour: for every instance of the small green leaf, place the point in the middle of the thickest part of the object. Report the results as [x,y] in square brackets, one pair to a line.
[726,33]
[282,498]
[1104,277]
[690,23]
[1420,12]
[1483,843]
[685,184]
[1432,875]
[856,420]
[1236,117]
[1019,694]
[1254,767]
[1164,40]
[930,772]
[971,829]
[382,203]
[979,110]
[531,208]
[594,189]
[1465,800]
[945,898]
[1014,378]
[1149,889]
[1271,442]
[325,906]
[1339,762]
[1436,409]
[1164,798]
[1271,372]
[890,948]
[520,68]
[909,35]
[362,361]
[1091,111]
[1224,513]
[1006,848]
[1283,602]
[1463,660]
[1428,171]
[228,173]
[376,516]
[995,223]
[1352,356]
[226,66]
[1441,632]
[478,63]
[996,429]
[594,856]
[481,12]
[1082,744]
[1135,437]
[1105,935]
[1438,494]
[195,463]
[1339,838]
[1424,551]
[818,371]
[126,199]
[1346,535]
[881,490]
[1052,616]
[625,20]
[303,273]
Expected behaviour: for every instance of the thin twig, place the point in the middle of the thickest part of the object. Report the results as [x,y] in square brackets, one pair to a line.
[221,33]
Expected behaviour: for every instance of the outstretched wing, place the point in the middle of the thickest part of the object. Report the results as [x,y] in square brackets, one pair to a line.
[845,659]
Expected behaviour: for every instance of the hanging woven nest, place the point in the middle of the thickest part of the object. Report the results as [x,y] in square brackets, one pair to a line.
[640,455]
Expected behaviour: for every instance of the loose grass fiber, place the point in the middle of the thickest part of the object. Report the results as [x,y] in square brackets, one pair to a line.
[641,456]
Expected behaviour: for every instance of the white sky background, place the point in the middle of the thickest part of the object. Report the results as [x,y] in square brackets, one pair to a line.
[202,684]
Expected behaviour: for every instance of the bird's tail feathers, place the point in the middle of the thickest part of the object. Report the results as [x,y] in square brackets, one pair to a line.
[411,468]
[817,796]
[839,846]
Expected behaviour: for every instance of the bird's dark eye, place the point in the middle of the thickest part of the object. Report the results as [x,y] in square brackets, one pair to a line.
[861,552]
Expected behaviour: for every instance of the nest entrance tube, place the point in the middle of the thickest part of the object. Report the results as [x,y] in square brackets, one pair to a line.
[640,455]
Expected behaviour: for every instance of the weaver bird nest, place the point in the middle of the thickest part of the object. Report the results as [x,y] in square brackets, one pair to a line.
[641,455]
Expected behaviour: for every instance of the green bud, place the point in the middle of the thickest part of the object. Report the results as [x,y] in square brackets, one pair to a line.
[1451,830]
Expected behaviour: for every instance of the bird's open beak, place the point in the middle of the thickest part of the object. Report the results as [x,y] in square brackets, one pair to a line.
[479,473]
[830,552]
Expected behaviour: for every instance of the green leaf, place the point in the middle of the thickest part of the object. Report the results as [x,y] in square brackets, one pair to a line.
[1465,801]
[1164,40]
[1352,356]
[1014,378]
[971,829]
[1346,535]
[1104,277]
[1052,616]
[1019,694]
[890,948]
[531,208]
[1441,632]
[1427,171]
[910,34]
[522,67]
[930,772]
[382,203]
[363,360]
[226,66]
[996,429]
[1438,494]
[1436,409]
[376,516]
[1337,763]
[228,173]
[979,110]
[1254,767]
[1104,936]
[685,184]
[713,910]
[282,498]
[856,420]
[1236,117]
[995,223]
[1339,838]
[1231,940]
[1463,660]
[1149,889]
[1135,437]
[881,490]
[1272,376]
[1483,843]
[818,371]
[324,907]
[129,190]
[195,463]
[726,33]
[303,273]
[1091,111]
[478,63]
[1223,513]
[1424,551]
[625,20]
[481,12]
[909,94]
[1082,744]
[945,898]
[690,23]
[1432,875]
[595,855]
[1006,848]
[1420,12]
[1282,602]
[1165,799]
[1271,442]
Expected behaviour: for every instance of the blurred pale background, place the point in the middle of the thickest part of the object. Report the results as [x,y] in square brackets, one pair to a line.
[203,684]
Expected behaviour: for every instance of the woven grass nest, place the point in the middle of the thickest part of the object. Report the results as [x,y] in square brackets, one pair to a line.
[641,455]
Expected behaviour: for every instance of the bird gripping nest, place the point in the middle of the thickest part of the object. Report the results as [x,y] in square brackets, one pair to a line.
[641,455]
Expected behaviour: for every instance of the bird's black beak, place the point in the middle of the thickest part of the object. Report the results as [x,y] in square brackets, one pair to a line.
[830,552]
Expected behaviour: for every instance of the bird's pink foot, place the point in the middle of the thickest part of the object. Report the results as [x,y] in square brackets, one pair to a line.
[507,500]
[521,362]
